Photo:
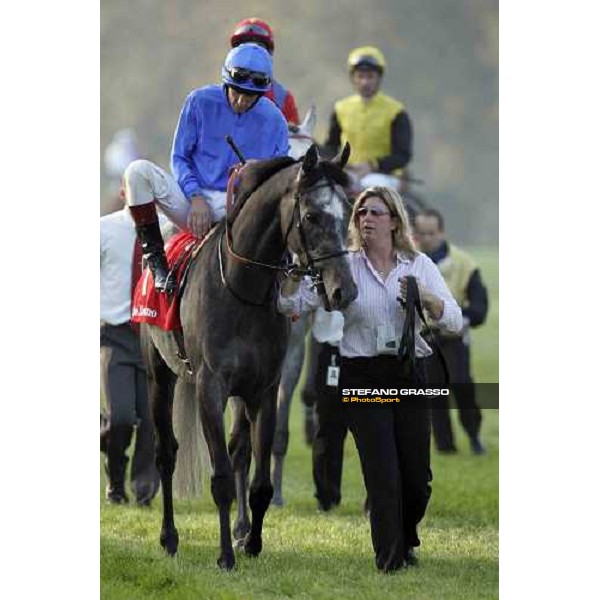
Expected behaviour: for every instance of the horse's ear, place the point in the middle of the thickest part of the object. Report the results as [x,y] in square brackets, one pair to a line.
[308,124]
[311,158]
[342,158]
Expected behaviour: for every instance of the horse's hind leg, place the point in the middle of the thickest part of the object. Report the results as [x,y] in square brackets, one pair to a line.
[261,490]
[211,397]
[310,394]
[282,434]
[240,453]
[161,387]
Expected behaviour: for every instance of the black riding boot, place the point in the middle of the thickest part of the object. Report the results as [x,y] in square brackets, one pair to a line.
[116,462]
[148,232]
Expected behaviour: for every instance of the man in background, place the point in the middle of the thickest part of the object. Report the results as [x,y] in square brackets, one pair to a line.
[464,280]
[123,375]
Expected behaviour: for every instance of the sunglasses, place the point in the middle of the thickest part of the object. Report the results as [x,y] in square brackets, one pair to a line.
[363,211]
[243,76]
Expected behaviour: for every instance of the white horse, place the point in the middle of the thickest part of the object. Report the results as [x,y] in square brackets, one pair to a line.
[301,136]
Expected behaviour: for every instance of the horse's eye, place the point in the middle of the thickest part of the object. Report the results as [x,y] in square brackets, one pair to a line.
[311,217]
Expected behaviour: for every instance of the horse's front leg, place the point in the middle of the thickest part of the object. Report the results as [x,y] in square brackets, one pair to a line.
[161,387]
[262,430]
[211,397]
[240,453]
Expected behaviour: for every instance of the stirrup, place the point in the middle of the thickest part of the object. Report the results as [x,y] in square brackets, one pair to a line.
[170,286]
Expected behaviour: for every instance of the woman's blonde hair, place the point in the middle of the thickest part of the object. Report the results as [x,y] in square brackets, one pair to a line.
[402,239]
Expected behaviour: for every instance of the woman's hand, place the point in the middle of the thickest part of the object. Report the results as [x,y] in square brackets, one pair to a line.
[433,304]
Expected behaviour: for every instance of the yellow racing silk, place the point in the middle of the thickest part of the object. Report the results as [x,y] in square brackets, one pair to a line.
[456,269]
[367,125]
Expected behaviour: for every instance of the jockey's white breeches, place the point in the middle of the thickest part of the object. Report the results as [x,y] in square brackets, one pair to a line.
[146,182]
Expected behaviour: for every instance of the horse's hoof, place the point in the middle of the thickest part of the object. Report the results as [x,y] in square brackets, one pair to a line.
[169,540]
[226,562]
[252,547]
[241,530]
[277,500]
[238,544]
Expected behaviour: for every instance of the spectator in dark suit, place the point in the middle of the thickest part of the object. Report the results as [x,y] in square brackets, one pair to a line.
[463,277]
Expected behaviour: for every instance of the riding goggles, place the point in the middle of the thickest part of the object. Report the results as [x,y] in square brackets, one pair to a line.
[241,76]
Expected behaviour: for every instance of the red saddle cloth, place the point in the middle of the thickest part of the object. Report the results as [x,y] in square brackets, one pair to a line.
[158,308]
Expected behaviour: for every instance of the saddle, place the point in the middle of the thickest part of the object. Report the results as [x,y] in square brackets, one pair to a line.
[157,308]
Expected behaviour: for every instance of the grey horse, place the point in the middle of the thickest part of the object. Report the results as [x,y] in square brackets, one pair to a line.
[236,340]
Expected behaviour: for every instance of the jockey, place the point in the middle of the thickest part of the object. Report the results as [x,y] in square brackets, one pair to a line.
[259,32]
[201,158]
[376,125]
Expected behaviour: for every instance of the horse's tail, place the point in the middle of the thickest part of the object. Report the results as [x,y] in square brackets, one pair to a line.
[192,456]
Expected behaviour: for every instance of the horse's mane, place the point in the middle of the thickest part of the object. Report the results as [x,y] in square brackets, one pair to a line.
[253,176]
[256,174]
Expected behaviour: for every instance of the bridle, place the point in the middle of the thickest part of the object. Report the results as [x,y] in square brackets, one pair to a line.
[285,266]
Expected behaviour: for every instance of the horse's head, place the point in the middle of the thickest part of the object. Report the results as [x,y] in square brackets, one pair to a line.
[315,222]
[301,136]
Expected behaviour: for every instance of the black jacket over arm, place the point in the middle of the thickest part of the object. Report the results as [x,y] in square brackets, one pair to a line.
[477,296]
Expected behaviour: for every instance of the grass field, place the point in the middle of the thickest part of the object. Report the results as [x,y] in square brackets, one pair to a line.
[310,555]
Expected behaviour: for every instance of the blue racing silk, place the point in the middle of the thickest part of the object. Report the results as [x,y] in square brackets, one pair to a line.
[201,158]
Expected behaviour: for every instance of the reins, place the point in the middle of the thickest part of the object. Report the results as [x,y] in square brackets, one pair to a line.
[406,351]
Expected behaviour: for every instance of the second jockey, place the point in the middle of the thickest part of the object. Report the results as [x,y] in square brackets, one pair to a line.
[376,125]
[259,32]
[194,196]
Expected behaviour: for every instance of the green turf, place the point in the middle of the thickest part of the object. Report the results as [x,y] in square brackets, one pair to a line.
[311,555]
